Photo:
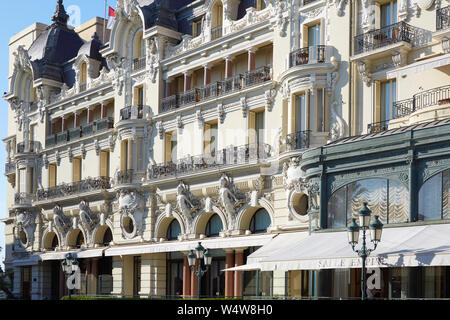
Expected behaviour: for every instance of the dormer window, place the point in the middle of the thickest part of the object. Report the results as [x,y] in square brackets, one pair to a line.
[197,28]
[83,76]
[260,5]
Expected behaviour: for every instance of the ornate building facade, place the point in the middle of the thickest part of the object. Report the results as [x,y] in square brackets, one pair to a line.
[227,122]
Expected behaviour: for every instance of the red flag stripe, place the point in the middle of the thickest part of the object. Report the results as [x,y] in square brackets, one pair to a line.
[112,12]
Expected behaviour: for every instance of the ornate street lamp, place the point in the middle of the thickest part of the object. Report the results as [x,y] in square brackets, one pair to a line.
[204,261]
[68,267]
[376,228]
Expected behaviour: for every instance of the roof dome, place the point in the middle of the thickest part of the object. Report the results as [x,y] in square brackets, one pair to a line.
[54,47]
[92,48]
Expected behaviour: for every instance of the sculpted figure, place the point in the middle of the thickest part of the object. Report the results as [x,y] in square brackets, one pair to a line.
[230,198]
[185,201]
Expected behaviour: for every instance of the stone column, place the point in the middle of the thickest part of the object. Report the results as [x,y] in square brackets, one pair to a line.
[104,110]
[229,275]
[207,74]
[146,268]
[167,87]
[228,67]
[130,154]
[90,114]
[94,275]
[76,119]
[186,278]
[187,81]
[194,281]
[62,283]
[251,59]
[63,123]
[117,266]
[238,261]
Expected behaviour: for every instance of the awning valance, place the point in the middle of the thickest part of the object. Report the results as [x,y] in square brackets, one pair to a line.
[217,243]
[419,66]
[427,245]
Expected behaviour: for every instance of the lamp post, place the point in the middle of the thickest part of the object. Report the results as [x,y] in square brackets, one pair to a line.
[68,268]
[376,227]
[204,258]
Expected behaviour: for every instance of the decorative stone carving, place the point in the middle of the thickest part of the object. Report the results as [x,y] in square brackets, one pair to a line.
[160,128]
[337,129]
[117,65]
[131,210]
[221,112]
[186,203]
[153,57]
[280,15]
[293,175]
[127,9]
[24,221]
[62,223]
[231,199]
[88,219]
[244,106]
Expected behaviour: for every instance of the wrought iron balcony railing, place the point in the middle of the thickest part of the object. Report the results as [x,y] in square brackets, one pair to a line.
[216,33]
[385,36]
[443,18]
[139,63]
[124,177]
[10,168]
[28,146]
[190,96]
[257,76]
[312,54]
[377,126]
[23,198]
[132,112]
[230,156]
[169,103]
[210,90]
[74,188]
[79,132]
[216,89]
[419,101]
[298,140]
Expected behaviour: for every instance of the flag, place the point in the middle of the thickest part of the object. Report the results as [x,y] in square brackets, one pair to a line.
[111,18]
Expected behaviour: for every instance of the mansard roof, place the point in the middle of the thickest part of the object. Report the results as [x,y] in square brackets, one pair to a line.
[54,47]
[159,13]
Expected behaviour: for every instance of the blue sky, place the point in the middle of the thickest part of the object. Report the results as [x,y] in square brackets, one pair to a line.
[14,17]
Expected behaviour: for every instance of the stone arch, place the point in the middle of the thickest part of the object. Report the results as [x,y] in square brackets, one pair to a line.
[99,233]
[200,222]
[47,239]
[246,213]
[216,9]
[163,221]
[72,235]
[121,30]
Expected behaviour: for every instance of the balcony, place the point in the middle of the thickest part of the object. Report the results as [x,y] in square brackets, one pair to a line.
[230,156]
[10,168]
[298,140]
[74,188]
[308,55]
[382,42]
[429,105]
[79,132]
[23,198]
[216,33]
[139,64]
[132,113]
[443,18]
[217,89]
[124,177]
[28,147]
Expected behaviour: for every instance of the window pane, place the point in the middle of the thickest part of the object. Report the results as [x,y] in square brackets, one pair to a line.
[398,202]
[214,226]
[260,221]
[430,198]
[300,113]
[445,194]
[372,191]
[336,209]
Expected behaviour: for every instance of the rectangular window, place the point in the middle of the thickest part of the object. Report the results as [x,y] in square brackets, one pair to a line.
[76,169]
[320,110]
[104,163]
[314,35]
[210,136]
[388,95]
[139,96]
[197,28]
[52,175]
[124,155]
[259,127]
[171,147]
[140,153]
[137,275]
[33,132]
[300,123]
[388,13]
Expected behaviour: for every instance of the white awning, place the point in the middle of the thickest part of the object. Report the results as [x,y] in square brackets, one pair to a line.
[419,66]
[81,254]
[28,261]
[217,243]
[245,267]
[427,245]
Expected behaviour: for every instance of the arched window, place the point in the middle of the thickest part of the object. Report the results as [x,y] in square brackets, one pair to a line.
[174,230]
[434,197]
[139,47]
[388,199]
[260,221]
[83,75]
[214,226]
[55,242]
[216,20]
[80,239]
[107,237]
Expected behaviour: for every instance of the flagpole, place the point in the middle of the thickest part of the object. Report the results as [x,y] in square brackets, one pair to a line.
[104,22]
